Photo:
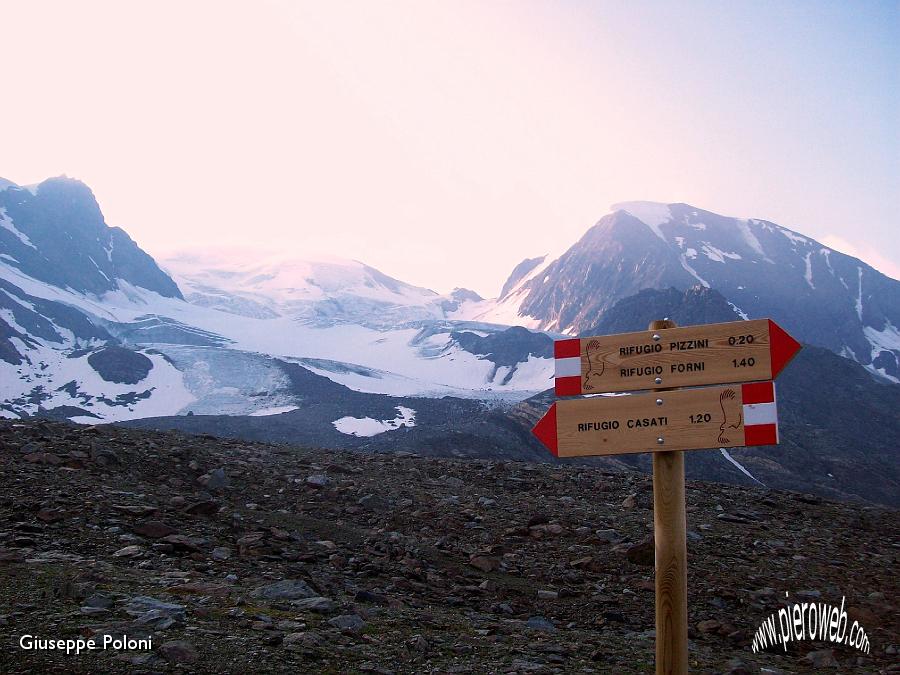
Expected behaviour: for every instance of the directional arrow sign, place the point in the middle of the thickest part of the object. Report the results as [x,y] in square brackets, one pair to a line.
[687,419]
[739,351]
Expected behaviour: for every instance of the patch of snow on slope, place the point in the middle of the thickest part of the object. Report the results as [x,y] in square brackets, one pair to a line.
[718,255]
[886,339]
[808,273]
[366,426]
[690,270]
[277,410]
[793,236]
[167,391]
[740,312]
[7,224]
[740,466]
[504,312]
[827,253]
[750,238]
[652,214]
[859,307]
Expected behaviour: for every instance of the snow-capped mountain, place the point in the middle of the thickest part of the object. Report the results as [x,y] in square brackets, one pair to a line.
[321,291]
[92,329]
[76,294]
[820,295]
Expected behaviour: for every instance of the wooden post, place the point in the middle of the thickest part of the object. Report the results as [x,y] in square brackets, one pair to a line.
[669,535]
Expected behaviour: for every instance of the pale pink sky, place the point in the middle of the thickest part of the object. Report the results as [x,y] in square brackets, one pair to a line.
[442,142]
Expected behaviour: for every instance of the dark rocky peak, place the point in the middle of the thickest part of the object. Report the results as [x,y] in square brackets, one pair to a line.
[694,306]
[464,294]
[56,233]
[519,272]
[506,348]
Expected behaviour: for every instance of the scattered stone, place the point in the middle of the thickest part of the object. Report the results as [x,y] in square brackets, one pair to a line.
[104,457]
[373,502]
[50,515]
[301,641]
[214,480]
[821,658]
[607,536]
[180,542]
[286,589]
[142,603]
[98,601]
[315,604]
[540,623]
[484,563]
[153,529]
[10,556]
[371,598]
[643,553]
[178,651]
[204,508]
[737,667]
[221,553]
[46,458]
[708,626]
[348,622]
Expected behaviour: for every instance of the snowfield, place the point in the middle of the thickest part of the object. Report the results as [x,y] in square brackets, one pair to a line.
[366,426]
[412,358]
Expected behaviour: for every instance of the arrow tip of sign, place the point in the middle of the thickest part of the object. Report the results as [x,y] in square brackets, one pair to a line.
[782,347]
[545,431]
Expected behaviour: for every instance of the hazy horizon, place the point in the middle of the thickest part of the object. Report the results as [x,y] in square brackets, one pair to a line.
[408,134]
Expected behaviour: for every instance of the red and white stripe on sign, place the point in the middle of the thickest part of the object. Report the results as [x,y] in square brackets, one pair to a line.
[568,367]
[760,413]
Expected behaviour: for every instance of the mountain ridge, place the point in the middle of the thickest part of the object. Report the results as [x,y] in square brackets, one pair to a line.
[820,295]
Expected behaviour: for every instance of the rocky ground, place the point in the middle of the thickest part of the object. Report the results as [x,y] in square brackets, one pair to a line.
[239,557]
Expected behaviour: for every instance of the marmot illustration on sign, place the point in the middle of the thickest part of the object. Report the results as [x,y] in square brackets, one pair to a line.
[730,396]
[596,364]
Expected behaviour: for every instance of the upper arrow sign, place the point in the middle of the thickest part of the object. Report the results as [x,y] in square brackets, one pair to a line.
[719,353]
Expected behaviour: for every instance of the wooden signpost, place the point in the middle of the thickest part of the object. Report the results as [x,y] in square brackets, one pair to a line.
[666,422]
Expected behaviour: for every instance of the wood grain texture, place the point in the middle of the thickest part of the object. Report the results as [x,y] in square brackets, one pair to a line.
[718,353]
[669,531]
[670,541]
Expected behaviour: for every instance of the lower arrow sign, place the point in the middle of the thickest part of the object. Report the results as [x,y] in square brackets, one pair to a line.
[686,419]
